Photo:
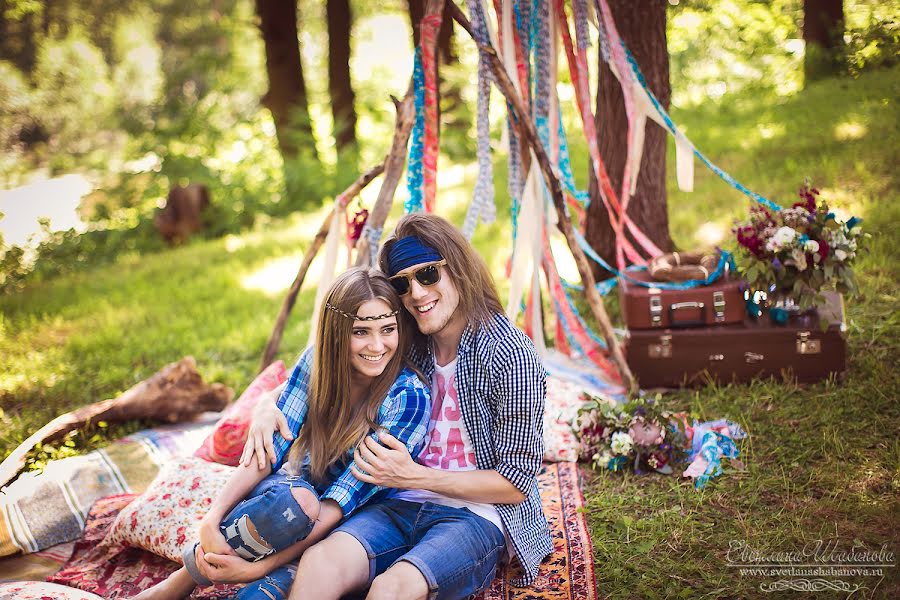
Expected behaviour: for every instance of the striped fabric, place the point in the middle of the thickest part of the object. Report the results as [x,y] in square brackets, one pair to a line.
[502,390]
[404,413]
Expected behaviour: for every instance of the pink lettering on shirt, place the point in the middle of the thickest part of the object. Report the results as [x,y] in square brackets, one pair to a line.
[449,447]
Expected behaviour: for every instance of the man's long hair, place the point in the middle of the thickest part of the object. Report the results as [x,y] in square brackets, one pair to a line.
[478,298]
[334,424]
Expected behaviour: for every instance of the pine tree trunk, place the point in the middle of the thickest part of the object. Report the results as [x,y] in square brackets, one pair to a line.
[343,110]
[286,98]
[823,34]
[642,25]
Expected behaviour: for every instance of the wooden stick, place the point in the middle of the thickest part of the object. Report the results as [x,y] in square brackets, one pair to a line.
[345,197]
[395,160]
[176,393]
[528,132]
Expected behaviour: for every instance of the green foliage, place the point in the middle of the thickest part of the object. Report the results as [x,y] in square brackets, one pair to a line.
[873,46]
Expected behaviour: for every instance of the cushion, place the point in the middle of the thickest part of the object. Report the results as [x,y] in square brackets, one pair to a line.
[226,442]
[41,590]
[166,517]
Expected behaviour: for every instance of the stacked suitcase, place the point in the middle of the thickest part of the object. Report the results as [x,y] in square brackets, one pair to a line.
[689,337]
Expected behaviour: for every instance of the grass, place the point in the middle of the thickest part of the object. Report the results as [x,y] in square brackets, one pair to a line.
[822,462]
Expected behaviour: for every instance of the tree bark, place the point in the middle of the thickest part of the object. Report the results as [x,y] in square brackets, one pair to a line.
[823,34]
[343,110]
[286,98]
[642,25]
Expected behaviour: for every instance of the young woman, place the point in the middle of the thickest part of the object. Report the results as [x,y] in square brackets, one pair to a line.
[353,383]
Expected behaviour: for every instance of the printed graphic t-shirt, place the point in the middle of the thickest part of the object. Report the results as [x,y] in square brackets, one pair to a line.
[448,446]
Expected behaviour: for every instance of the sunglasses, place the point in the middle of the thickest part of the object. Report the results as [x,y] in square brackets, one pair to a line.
[427,275]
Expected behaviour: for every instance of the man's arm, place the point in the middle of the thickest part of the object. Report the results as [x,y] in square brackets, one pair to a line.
[521,388]
[391,465]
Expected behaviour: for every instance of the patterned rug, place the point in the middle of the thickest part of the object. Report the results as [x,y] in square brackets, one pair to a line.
[117,571]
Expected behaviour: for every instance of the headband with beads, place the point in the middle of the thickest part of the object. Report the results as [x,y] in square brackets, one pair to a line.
[331,306]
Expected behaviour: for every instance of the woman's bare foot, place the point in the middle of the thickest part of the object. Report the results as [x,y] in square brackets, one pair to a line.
[178,585]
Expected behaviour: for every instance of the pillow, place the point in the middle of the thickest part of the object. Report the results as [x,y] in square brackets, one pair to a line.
[563,401]
[41,590]
[226,442]
[166,517]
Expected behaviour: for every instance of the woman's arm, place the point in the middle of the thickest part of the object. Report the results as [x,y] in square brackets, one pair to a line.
[225,568]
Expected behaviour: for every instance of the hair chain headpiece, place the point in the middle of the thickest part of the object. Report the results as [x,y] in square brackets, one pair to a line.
[331,306]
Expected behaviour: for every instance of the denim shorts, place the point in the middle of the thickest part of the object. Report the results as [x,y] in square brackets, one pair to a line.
[275,514]
[456,550]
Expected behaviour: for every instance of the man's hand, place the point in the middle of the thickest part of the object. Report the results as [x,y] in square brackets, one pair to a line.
[227,568]
[389,465]
[266,419]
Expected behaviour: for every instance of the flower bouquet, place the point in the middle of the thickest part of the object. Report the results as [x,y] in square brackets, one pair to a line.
[639,435]
[797,252]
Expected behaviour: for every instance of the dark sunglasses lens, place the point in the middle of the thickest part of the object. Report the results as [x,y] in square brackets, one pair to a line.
[401,284]
[428,275]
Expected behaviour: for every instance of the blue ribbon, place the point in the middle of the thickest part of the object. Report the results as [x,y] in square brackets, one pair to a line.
[414,177]
[673,129]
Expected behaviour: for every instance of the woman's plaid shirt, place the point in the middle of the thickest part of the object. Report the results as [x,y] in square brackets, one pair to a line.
[502,387]
[405,413]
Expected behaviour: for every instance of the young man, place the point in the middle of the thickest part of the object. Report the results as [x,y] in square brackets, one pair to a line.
[471,500]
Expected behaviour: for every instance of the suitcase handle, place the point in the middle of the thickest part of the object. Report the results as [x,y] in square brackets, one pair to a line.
[688,323]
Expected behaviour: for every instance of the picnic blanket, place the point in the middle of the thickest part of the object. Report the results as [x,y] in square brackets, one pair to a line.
[78,498]
[116,571]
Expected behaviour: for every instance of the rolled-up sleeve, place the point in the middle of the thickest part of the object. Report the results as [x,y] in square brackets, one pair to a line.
[521,385]
[405,414]
[293,403]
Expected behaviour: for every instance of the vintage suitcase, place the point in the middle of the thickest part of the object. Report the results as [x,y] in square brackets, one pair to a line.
[757,347]
[718,303]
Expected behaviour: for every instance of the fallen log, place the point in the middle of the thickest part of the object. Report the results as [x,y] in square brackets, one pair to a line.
[176,393]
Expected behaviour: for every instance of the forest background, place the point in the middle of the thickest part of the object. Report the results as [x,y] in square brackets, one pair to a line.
[105,106]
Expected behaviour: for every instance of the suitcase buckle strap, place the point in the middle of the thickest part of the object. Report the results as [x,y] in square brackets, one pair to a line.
[806,345]
[719,306]
[656,310]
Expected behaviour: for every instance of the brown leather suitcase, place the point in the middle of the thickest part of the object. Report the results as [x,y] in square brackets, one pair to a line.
[718,303]
[755,348]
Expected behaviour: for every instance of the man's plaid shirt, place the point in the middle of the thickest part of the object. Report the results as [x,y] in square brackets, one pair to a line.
[405,413]
[502,388]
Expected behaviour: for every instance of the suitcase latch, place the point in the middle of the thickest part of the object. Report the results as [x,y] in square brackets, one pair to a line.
[656,311]
[806,345]
[719,306]
[753,357]
[661,350]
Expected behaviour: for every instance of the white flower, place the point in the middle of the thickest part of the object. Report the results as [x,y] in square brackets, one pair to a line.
[621,443]
[840,255]
[603,460]
[780,239]
[811,246]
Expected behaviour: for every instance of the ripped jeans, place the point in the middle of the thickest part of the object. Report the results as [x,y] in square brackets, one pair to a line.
[268,520]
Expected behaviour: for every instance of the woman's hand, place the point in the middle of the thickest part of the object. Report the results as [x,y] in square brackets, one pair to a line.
[266,419]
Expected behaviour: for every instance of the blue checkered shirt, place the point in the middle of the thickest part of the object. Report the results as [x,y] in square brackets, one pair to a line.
[405,413]
[502,387]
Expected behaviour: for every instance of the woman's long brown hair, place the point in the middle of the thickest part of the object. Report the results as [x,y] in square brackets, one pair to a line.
[334,424]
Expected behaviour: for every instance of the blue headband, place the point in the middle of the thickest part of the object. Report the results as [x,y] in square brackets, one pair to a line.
[410,251]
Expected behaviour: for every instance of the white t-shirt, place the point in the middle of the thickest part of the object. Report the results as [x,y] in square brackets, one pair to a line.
[449,447]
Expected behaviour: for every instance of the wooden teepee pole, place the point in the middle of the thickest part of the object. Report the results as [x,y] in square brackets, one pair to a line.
[529,134]
[343,199]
